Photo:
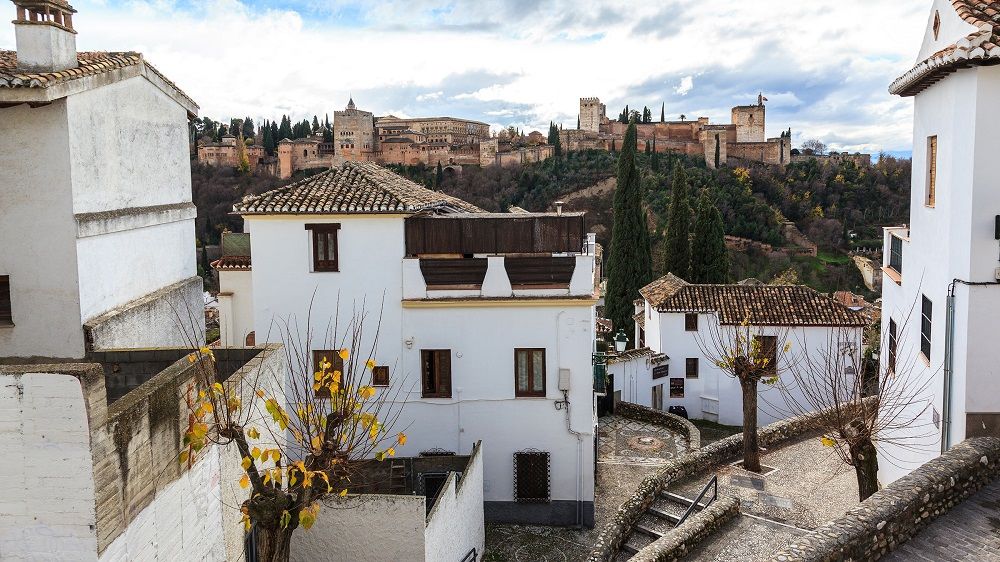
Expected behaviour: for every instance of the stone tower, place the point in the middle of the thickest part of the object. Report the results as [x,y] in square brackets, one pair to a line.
[749,121]
[592,114]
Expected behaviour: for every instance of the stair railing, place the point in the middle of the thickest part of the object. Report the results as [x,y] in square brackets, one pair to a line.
[714,485]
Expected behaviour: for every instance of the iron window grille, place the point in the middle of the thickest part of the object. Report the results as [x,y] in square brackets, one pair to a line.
[691,322]
[531,476]
[896,253]
[691,367]
[926,315]
[893,342]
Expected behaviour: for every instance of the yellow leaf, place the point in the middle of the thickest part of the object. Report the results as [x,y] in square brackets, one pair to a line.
[343,492]
[253,433]
[217,386]
[317,443]
[285,519]
[246,462]
[391,451]
[275,455]
[184,456]
[246,523]
[267,476]
[260,393]
[192,358]
[371,363]
[209,407]
[255,452]
[344,354]
[827,442]
[306,519]
[245,481]
[201,394]
[380,456]
[401,438]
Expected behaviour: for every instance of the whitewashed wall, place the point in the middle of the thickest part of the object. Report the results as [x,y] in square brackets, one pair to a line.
[235,309]
[37,213]
[47,509]
[369,527]
[455,525]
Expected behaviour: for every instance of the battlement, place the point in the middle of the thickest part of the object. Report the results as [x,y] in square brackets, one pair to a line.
[590,100]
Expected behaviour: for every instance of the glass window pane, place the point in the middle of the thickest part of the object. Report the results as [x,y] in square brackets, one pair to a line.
[522,371]
[538,370]
[320,240]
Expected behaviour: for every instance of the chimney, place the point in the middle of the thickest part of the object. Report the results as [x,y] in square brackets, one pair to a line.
[46,41]
[559,205]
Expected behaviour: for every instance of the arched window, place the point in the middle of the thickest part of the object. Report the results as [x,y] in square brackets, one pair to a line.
[251,339]
[305,153]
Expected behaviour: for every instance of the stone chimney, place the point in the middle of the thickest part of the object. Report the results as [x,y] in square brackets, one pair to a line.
[46,41]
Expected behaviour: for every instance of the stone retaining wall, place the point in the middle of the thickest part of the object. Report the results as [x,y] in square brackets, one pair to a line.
[678,542]
[892,515]
[616,531]
[659,417]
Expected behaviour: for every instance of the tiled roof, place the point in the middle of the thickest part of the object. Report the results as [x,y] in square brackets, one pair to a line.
[763,305]
[91,63]
[981,47]
[354,187]
[232,263]
[630,354]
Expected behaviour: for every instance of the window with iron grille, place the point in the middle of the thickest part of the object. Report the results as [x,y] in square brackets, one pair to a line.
[691,368]
[6,314]
[896,253]
[677,388]
[691,322]
[531,477]
[926,315]
[436,373]
[529,372]
[892,345]
[336,364]
[380,375]
[325,252]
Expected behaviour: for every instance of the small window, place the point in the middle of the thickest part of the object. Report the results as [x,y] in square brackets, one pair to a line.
[932,149]
[531,477]
[691,322]
[768,350]
[896,253]
[529,372]
[251,339]
[677,388]
[691,368]
[436,373]
[337,364]
[926,315]
[304,153]
[380,375]
[893,342]
[6,312]
[325,252]
[937,24]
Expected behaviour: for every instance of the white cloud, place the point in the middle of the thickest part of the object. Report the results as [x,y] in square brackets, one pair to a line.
[687,83]
[826,65]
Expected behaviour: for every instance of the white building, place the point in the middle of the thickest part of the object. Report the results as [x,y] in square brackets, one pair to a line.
[940,299]
[98,224]
[678,322]
[487,321]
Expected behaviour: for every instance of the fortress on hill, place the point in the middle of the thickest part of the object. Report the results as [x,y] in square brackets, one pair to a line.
[742,140]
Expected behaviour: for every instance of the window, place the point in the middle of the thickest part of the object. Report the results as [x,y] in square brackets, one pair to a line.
[768,350]
[892,345]
[691,322]
[529,372]
[932,147]
[677,388]
[896,253]
[337,364]
[304,153]
[6,316]
[936,26]
[657,403]
[926,315]
[380,375]
[436,373]
[691,368]
[326,256]
[531,477]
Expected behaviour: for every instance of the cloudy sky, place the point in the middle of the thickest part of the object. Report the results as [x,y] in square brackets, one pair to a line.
[824,65]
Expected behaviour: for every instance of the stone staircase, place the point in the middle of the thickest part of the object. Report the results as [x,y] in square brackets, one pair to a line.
[663,515]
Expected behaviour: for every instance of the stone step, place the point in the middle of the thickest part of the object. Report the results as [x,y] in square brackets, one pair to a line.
[654,523]
[677,498]
[636,542]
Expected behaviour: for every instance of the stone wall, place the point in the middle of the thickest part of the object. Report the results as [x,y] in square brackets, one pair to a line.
[679,541]
[659,417]
[616,531]
[892,515]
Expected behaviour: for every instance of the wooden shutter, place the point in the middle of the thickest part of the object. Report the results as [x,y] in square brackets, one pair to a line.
[691,366]
[334,358]
[325,246]
[6,313]
[932,149]
[444,373]
[380,375]
[691,322]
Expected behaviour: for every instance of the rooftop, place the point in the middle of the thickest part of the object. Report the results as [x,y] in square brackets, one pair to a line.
[769,305]
[23,87]
[979,48]
[354,187]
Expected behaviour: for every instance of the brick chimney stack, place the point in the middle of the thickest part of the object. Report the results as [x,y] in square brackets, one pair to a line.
[46,41]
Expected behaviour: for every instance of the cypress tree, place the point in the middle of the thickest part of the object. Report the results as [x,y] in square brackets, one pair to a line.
[629,265]
[285,129]
[577,122]
[275,137]
[717,147]
[248,129]
[709,259]
[648,151]
[678,240]
[438,175]
[268,140]
[654,159]
[663,115]
[315,124]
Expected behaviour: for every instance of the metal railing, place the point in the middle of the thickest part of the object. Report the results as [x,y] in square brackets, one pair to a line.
[714,484]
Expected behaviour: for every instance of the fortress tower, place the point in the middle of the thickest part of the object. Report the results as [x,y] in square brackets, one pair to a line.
[592,114]
[749,121]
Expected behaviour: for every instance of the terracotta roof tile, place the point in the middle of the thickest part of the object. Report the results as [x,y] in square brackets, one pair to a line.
[232,263]
[354,187]
[765,305]
[979,48]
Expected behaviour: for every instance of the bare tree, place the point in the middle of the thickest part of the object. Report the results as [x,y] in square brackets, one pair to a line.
[814,146]
[301,434]
[748,353]
[865,403]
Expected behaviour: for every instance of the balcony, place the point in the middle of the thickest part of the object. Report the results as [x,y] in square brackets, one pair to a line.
[495,256]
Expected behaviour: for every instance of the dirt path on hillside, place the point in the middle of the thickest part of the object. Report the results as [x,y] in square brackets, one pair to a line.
[600,188]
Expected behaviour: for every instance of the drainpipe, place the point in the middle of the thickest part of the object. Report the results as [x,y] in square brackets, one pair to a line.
[569,427]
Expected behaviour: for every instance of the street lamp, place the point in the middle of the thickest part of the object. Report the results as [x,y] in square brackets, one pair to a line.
[621,340]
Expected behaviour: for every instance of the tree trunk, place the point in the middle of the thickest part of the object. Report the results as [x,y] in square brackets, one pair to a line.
[272,545]
[751,450]
[865,459]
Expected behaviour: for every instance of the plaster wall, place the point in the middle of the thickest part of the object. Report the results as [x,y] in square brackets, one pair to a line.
[45,48]
[128,147]
[47,507]
[370,527]
[237,308]
[953,28]
[36,199]
[455,525]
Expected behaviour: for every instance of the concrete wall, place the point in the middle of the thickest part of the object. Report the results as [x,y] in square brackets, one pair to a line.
[171,316]
[370,527]
[235,306]
[38,213]
[455,523]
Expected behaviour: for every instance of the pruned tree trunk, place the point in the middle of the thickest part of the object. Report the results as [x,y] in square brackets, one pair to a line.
[865,460]
[751,449]
[272,545]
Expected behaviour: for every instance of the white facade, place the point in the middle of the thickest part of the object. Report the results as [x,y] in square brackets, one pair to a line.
[98,199]
[714,395]
[481,327]
[951,238]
